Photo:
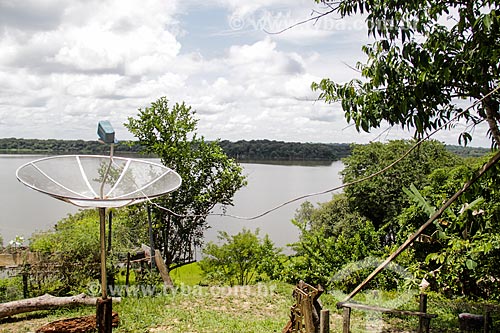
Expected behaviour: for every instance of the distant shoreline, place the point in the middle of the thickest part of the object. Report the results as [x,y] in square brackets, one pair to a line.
[254,150]
[257,151]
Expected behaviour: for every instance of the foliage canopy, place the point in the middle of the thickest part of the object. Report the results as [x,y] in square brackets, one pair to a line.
[381,199]
[457,254]
[427,55]
[460,251]
[331,236]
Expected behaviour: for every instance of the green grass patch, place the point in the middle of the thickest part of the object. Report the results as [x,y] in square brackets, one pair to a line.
[189,275]
[260,308]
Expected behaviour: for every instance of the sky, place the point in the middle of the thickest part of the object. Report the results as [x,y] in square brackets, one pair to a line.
[67,64]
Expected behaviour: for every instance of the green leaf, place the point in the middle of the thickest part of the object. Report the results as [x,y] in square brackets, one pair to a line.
[487,22]
[471,264]
[415,195]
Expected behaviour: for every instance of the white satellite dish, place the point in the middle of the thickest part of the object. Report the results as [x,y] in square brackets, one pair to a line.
[98,181]
[101,182]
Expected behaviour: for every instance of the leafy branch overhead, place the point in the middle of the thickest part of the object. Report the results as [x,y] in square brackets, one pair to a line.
[427,55]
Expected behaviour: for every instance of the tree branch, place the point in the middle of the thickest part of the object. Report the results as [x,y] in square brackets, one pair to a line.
[314,18]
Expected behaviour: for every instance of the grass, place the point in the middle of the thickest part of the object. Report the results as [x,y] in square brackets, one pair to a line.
[190,275]
[207,309]
[246,309]
[257,308]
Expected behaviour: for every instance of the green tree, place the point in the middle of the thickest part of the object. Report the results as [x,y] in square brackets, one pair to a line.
[426,56]
[459,254]
[331,236]
[381,199]
[240,258]
[209,177]
[332,218]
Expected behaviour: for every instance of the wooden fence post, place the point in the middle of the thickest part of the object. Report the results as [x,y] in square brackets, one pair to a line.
[324,323]
[423,322]
[306,307]
[346,320]
[25,274]
[128,270]
[104,318]
[487,319]
[162,267]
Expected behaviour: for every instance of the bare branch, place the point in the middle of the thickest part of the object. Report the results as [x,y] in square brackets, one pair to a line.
[387,130]
[351,67]
[314,18]
[347,126]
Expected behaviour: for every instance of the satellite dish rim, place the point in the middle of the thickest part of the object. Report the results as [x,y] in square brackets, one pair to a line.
[127,201]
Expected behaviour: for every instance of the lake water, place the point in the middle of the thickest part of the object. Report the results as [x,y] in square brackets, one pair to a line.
[23,210]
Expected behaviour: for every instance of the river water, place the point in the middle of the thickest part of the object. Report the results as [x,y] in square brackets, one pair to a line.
[24,211]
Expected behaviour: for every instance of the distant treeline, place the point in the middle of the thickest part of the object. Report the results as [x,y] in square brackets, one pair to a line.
[256,150]
[53,146]
[265,150]
[285,151]
[468,151]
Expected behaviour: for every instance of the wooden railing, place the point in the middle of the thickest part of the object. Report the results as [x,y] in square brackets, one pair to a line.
[424,322]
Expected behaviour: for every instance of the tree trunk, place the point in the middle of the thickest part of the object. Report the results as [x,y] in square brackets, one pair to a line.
[492,117]
[45,302]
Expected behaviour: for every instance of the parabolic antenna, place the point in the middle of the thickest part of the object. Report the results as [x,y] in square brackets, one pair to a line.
[98,181]
[102,182]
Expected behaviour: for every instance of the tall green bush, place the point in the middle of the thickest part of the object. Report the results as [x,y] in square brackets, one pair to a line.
[381,199]
[240,259]
[69,254]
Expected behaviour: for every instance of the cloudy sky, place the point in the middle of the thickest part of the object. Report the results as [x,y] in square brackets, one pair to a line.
[66,64]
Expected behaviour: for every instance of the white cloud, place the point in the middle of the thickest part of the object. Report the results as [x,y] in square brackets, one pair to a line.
[106,59]
[98,35]
[118,35]
[140,51]
[87,63]
[66,64]
[260,88]
[243,8]
[261,59]
[31,14]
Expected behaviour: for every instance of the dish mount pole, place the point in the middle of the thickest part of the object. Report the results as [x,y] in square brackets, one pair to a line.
[104,305]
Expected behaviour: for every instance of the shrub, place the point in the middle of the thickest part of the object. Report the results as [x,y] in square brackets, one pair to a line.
[241,259]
